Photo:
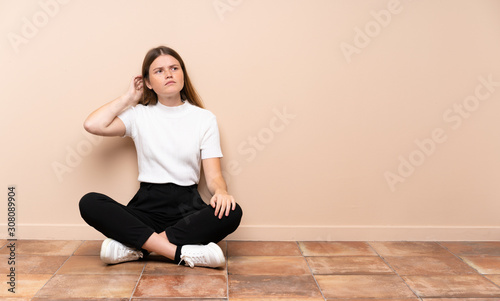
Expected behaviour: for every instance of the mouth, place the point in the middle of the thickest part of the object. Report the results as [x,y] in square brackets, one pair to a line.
[169,82]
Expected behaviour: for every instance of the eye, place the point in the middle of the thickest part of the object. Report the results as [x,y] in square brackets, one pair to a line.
[175,68]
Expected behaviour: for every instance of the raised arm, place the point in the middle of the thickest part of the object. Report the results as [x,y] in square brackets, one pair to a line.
[104,121]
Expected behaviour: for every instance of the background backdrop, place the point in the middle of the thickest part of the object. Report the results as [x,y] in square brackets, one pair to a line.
[339,119]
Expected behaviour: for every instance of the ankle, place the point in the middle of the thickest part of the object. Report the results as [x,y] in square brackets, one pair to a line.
[177,258]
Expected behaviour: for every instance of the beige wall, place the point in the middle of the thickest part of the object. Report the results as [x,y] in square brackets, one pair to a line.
[340,120]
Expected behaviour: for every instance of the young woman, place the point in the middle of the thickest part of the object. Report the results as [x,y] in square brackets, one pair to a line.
[173,135]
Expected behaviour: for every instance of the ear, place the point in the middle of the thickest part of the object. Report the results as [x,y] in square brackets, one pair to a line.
[148,84]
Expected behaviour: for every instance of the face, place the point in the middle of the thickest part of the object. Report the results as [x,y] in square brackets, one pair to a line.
[165,76]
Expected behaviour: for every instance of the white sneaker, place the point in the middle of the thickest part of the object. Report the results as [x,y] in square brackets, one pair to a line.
[204,256]
[114,252]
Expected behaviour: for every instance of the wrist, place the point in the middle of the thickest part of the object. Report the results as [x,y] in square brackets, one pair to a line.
[128,99]
[221,191]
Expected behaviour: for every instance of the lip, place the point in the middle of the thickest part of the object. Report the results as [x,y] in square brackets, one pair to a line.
[169,82]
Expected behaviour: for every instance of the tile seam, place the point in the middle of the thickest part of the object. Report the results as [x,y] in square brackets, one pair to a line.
[459,258]
[396,273]
[54,274]
[137,282]
[310,270]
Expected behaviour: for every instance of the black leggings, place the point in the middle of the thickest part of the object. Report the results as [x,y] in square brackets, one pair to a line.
[177,210]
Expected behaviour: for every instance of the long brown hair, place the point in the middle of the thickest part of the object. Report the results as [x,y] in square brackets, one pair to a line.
[188,92]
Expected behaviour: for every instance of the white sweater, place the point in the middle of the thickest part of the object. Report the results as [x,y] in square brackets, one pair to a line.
[172,141]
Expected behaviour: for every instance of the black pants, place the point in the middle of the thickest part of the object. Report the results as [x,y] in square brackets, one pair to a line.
[177,210]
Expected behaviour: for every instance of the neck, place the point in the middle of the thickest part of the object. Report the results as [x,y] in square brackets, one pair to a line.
[171,101]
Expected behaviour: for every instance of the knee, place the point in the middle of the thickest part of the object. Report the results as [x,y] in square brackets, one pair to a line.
[87,203]
[238,211]
[236,215]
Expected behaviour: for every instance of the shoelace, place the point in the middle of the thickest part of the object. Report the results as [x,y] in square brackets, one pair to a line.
[130,252]
[191,259]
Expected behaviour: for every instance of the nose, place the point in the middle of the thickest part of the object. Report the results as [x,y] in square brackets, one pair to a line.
[168,74]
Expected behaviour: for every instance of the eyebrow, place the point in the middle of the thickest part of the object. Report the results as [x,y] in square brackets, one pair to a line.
[174,65]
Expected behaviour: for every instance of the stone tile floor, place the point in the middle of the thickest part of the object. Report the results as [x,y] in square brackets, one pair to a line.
[428,271]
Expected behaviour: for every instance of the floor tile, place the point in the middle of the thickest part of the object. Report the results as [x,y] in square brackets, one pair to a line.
[44,247]
[460,299]
[178,299]
[337,248]
[488,248]
[81,299]
[187,286]
[279,299]
[89,286]
[494,278]
[272,271]
[89,248]
[263,248]
[484,264]
[377,299]
[264,286]
[429,265]
[345,265]
[170,268]
[223,246]
[94,265]
[26,285]
[363,286]
[268,265]
[463,286]
[32,264]
[408,248]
